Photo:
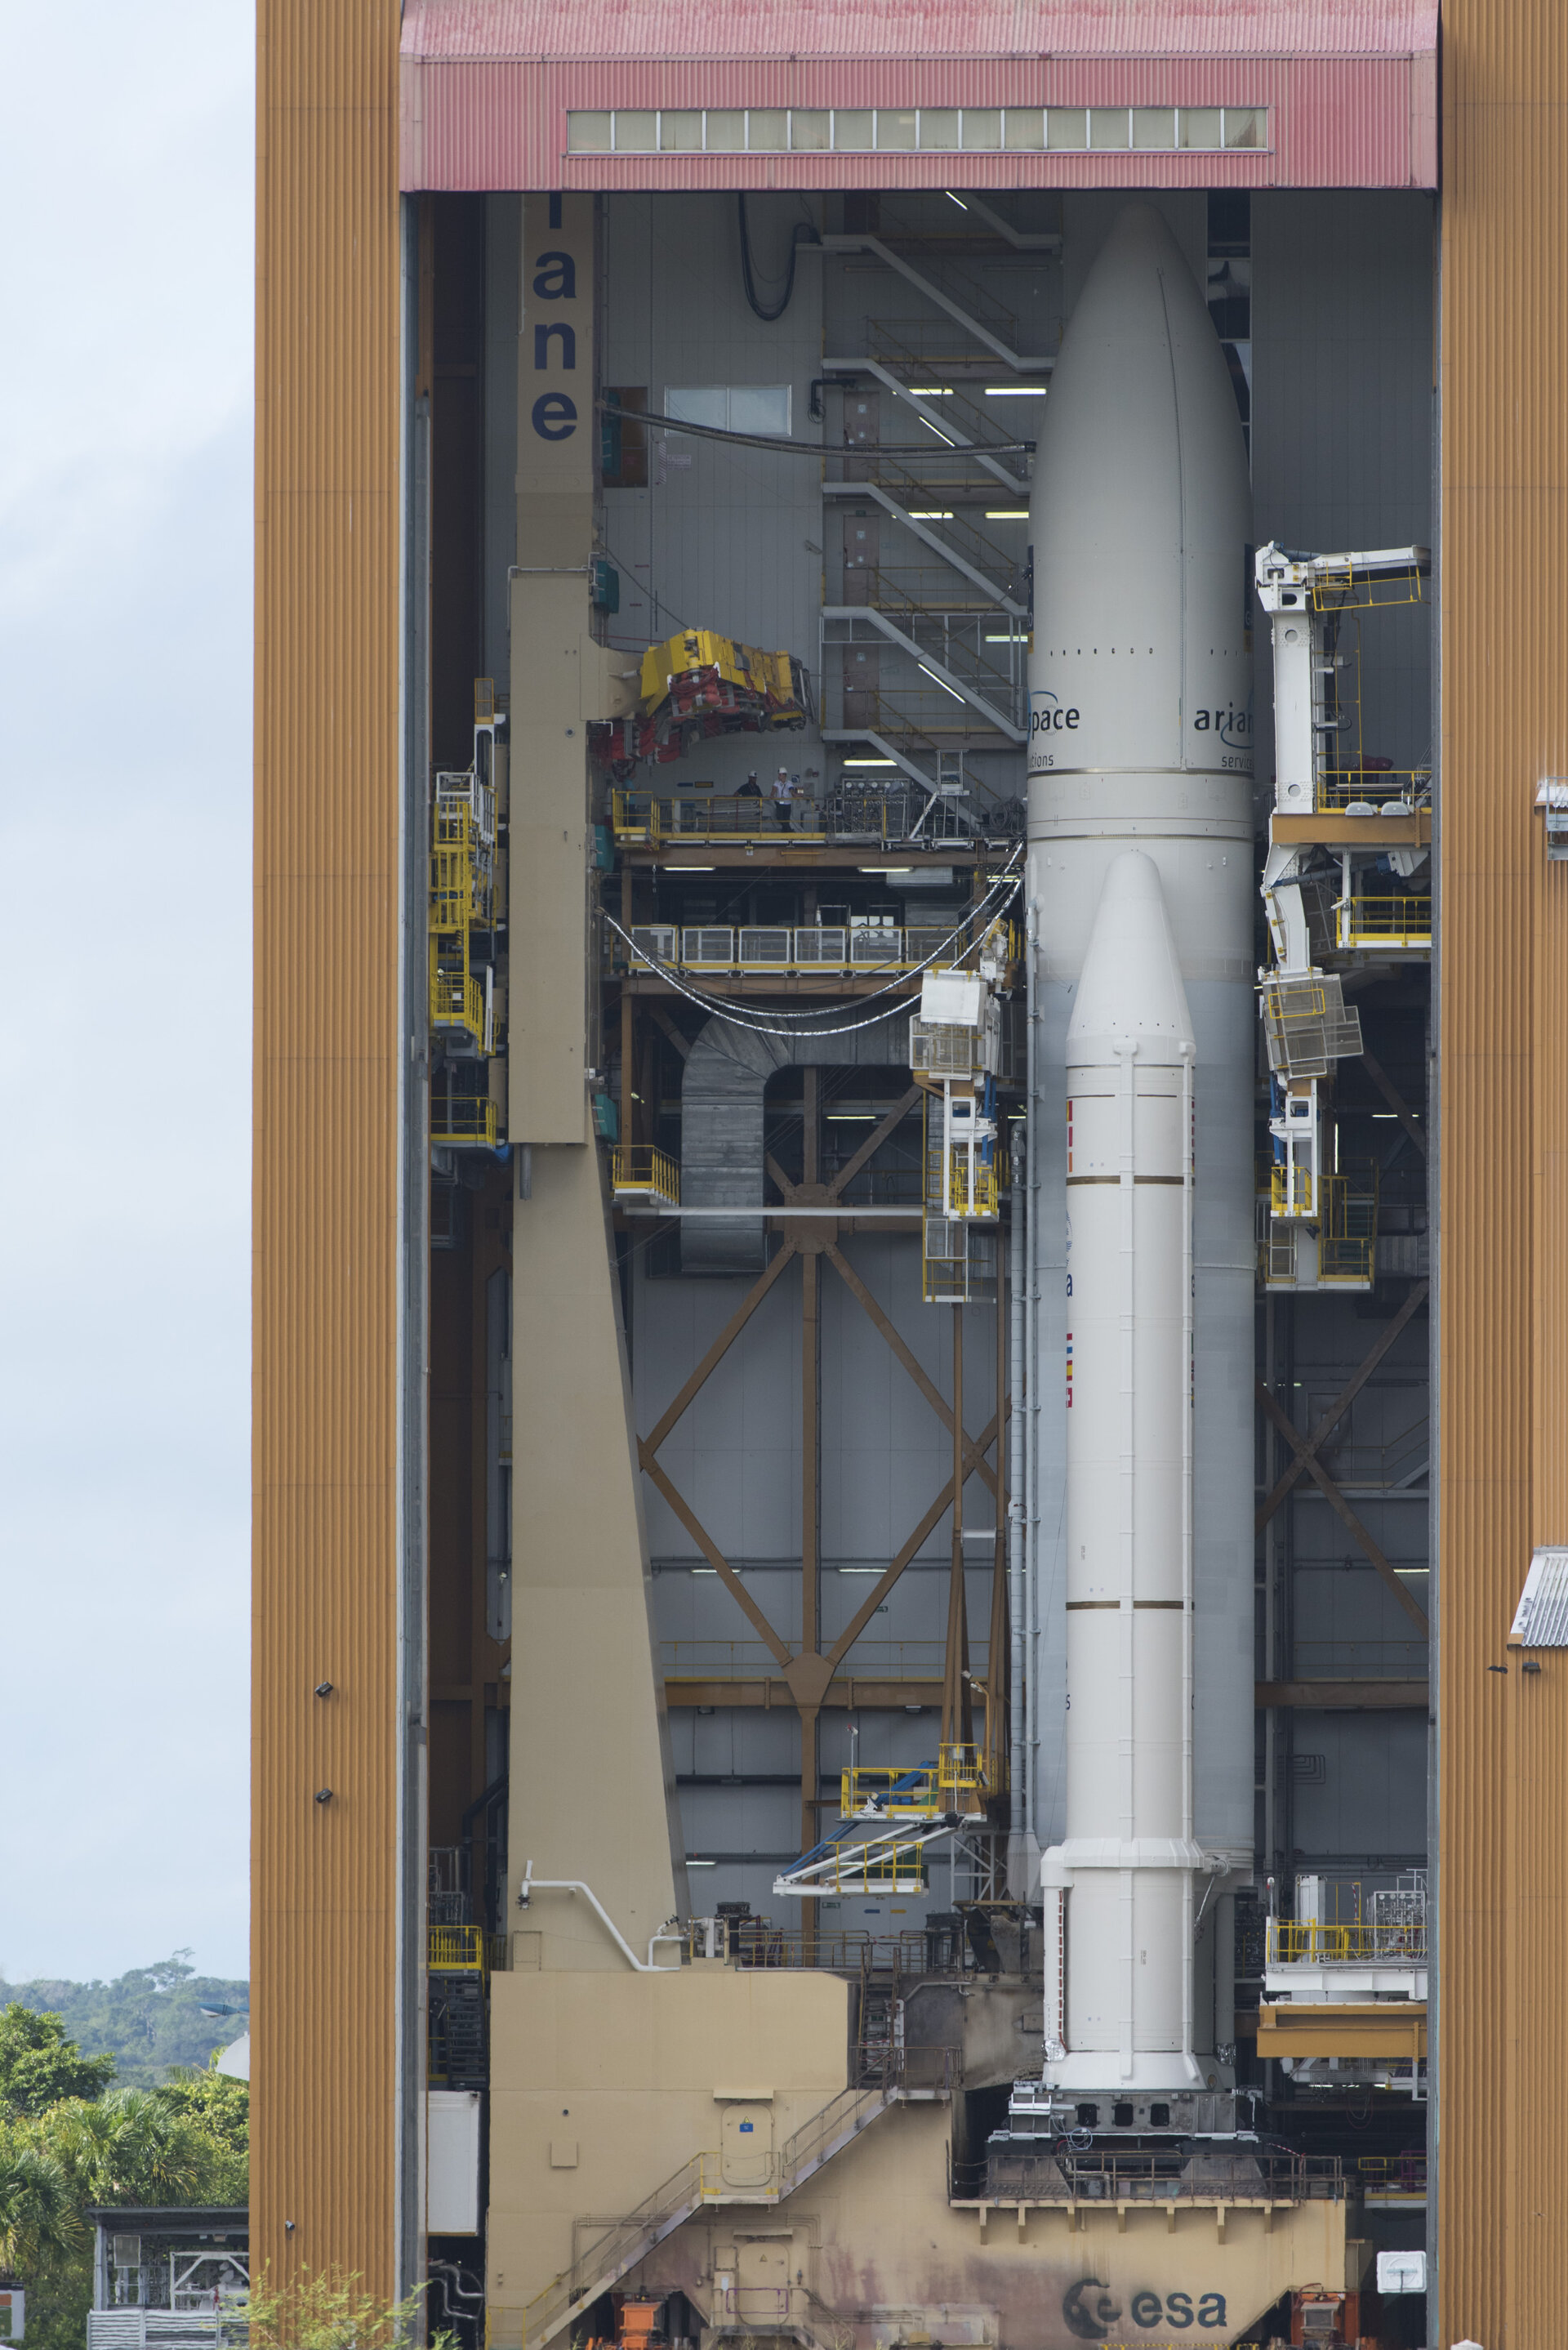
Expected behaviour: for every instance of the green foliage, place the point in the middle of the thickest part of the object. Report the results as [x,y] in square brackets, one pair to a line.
[39,2220]
[329,2310]
[215,2103]
[148,2020]
[183,2142]
[39,2065]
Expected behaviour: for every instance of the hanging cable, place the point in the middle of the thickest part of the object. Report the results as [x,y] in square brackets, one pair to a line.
[782,445]
[725,1008]
[1001,889]
[805,233]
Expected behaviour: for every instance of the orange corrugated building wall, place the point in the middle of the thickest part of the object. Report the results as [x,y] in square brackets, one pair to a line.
[324,2186]
[325,1449]
[1502,1329]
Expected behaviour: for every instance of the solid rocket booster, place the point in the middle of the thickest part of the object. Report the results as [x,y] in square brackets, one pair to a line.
[1130,1844]
[1141,741]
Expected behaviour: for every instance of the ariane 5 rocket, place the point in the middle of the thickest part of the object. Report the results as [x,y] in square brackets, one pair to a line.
[1141,903]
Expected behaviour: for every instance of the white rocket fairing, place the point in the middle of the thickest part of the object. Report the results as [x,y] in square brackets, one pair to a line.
[1141,741]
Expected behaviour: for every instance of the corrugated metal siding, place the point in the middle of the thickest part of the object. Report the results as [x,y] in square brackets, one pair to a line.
[326,1150]
[548,29]
[1337,122]
[1503,1778]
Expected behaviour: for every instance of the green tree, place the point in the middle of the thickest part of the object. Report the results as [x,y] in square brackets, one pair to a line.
[39,2065]
[149,2020]
[215,2103]
[39,2221]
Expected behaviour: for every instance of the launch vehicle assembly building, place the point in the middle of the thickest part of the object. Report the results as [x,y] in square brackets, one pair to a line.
[911,1521]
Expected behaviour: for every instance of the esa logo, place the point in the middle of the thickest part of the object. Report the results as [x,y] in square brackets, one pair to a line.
[1089,2308]
[1047,715]
[1233,726]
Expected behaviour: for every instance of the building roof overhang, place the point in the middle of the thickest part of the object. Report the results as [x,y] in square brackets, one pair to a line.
[1350,86]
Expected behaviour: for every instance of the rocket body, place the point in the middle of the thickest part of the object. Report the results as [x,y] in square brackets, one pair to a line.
[1141,741]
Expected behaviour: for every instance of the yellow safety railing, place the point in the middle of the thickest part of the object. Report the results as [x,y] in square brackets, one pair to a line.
[1291,1192]
[457,1949]
[890,1868]
[731,817]
[1394,921]
[1299,1942]
[1347,1234]
[632,814]
[464,1118]
[1336,787]
[637,1168]
[457,999]
[961,1200]
[960,1769]
[1347,589]
[875,1783]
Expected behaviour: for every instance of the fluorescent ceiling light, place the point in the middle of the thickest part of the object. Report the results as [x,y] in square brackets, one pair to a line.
[852,1118]
[1015,391]
[940,436]
[955,200]
[930,514]
[696,869]
[880,869]
[943,683]
[700,1864]
[1007,513]
[865,763]
[930,391]
[862,1570]
[1005,640]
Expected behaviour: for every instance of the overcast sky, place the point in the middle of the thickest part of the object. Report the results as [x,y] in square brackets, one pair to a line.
[125,755]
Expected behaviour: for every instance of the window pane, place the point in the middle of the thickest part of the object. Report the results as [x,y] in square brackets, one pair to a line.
[759,407]
[699,404]
[1200,126]
[808,130]
[587,134]
[1153,126]
[1244,126]
[1064,128]
[982,128]
[939,127]
[1024,127]
[766,129]
[680,133]
[895,128]
[851,128]
[634,131]
[726,130]
[1108,126]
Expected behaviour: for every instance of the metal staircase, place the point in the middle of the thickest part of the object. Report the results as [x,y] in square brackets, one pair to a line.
[926,591]
[623,2242]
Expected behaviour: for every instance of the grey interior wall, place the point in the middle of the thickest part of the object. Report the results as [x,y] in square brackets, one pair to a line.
[1343,364]
[722,538]
[735,1453]
[735,1456]
[502,251]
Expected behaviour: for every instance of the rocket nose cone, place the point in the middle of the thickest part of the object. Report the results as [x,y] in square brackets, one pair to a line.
[1130,987]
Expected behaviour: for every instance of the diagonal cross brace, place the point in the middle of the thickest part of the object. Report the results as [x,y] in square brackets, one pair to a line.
[1306,1458]
[933,1396]
[1306,1448]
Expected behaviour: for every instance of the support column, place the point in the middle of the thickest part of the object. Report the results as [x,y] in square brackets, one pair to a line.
[958,1725]
[811,1491]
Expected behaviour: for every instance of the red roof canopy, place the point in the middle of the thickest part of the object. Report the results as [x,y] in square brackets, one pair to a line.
[1350,86]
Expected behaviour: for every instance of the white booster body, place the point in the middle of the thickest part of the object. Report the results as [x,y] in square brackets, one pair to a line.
[1130,1853]
[1141,734]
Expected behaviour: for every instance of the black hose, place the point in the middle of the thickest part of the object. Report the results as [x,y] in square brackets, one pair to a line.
[803,233]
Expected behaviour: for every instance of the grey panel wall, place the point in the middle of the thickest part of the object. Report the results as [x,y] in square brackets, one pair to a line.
[722,538]
[1341,421]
